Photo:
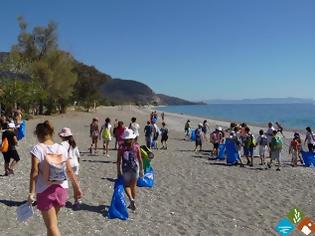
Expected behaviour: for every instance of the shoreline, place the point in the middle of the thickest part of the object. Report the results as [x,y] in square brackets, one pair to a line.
[227,121]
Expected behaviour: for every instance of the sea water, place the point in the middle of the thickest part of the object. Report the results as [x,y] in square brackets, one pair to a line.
[290,116]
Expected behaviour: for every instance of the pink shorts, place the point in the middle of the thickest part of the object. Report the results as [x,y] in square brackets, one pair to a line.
[54,196]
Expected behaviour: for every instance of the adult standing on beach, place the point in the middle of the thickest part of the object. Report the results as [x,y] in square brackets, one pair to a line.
[130,165]
[12,153]
[310,139]
[162,116]
[48,184]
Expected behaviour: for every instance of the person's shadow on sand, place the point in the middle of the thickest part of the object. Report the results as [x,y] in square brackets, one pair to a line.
[101,209]
[11,203]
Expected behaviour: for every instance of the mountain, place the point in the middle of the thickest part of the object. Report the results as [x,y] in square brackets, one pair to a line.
[129,91]
[288,100]
[113,91]
[168,100]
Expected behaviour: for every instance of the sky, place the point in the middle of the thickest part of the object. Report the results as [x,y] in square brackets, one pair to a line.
[193,49]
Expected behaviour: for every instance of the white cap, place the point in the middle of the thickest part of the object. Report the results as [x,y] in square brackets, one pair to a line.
[220,128]
[65,132]
[128,134]
[200,124]
[11,125]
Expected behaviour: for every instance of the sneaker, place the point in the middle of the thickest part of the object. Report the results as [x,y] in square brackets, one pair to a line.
[132,205]
[76,206]
[108,155]
[269,165]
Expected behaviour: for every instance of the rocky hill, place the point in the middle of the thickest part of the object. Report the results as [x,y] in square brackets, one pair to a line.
[114,91]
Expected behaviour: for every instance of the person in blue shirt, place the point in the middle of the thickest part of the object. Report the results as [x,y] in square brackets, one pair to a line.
[148,133]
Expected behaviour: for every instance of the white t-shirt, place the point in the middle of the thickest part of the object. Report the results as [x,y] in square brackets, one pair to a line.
[310,138]
[39,152]
[73,153]
[135,127]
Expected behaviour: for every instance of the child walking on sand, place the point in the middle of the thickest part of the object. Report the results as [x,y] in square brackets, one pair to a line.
[249,144]
[164,136]
[199,136]
[130,165]
[262,142]
[275,149]
[48,183]
[106,132]
[94,134]
[11,153]
[74,156]
[295,149]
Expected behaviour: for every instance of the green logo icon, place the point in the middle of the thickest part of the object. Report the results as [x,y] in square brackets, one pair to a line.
[295,215]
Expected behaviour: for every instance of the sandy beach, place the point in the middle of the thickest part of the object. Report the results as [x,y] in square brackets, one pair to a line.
[191,196]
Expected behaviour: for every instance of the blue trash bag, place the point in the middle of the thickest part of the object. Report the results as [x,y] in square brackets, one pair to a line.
[147,180]
[221,152]
[308,158]
[193,135]
[21,131]
[118,207]
[232,155]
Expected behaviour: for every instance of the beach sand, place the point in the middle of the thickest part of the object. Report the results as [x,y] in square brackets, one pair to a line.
[191,196]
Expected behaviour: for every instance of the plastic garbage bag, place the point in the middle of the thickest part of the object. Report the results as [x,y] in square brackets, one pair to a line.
[147,180]
[118,207]
[308,158]
[24,212]
[232,155]
[193,135]
[21,131]
[221,152]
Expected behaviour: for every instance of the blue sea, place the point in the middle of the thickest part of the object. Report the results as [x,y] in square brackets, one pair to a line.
[291,116]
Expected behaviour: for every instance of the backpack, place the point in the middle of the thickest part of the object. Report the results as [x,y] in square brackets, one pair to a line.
[4,146]
[129,163]
[263,141]
[277,142]
[250,141]
[21,131]
[54,166]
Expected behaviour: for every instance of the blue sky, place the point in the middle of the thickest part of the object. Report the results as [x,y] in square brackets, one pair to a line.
[199,49]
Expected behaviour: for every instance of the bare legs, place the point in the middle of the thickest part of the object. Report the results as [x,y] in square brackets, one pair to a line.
[51,221]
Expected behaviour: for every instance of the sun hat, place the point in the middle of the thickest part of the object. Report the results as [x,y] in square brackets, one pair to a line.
[220,128]
[11,125]
[65,132]
[128,134]
[200,124]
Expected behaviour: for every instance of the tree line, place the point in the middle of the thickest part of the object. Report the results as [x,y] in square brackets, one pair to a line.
[40,78]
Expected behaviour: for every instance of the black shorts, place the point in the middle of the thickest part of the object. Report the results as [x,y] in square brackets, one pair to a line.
[198,142]
[164,139]
[216,145]
[12,154]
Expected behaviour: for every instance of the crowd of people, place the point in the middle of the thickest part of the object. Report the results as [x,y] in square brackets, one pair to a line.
[269,143]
